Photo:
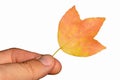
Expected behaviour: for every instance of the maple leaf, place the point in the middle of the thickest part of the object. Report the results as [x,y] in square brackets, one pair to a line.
[76,36]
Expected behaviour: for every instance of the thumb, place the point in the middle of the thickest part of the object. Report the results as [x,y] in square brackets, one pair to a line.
[29,70]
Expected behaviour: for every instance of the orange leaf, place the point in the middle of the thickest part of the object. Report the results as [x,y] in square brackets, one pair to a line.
[76,36]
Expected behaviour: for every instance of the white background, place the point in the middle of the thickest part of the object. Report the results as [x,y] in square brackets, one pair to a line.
[33,25]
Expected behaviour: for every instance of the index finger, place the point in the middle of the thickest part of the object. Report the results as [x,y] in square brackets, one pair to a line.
[14,55]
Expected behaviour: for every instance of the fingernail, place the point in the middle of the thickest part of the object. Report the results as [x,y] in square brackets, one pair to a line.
[46,60]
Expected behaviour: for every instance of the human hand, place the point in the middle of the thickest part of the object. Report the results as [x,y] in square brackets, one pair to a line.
[18,64]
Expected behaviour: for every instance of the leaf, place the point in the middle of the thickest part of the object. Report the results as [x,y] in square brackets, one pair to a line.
[76,36]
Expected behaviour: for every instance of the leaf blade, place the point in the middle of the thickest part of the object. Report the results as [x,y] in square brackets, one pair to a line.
[75,36]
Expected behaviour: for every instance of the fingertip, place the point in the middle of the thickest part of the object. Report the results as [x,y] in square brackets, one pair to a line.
[49,60]
[57,67]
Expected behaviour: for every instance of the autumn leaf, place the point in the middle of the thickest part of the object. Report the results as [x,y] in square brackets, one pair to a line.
[76,36]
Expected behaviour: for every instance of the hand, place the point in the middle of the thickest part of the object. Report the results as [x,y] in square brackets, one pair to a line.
[18,64]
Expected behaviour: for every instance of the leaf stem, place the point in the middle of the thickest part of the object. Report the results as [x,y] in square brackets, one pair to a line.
[56,51]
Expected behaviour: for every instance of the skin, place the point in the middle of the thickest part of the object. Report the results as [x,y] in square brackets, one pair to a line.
[18,64]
